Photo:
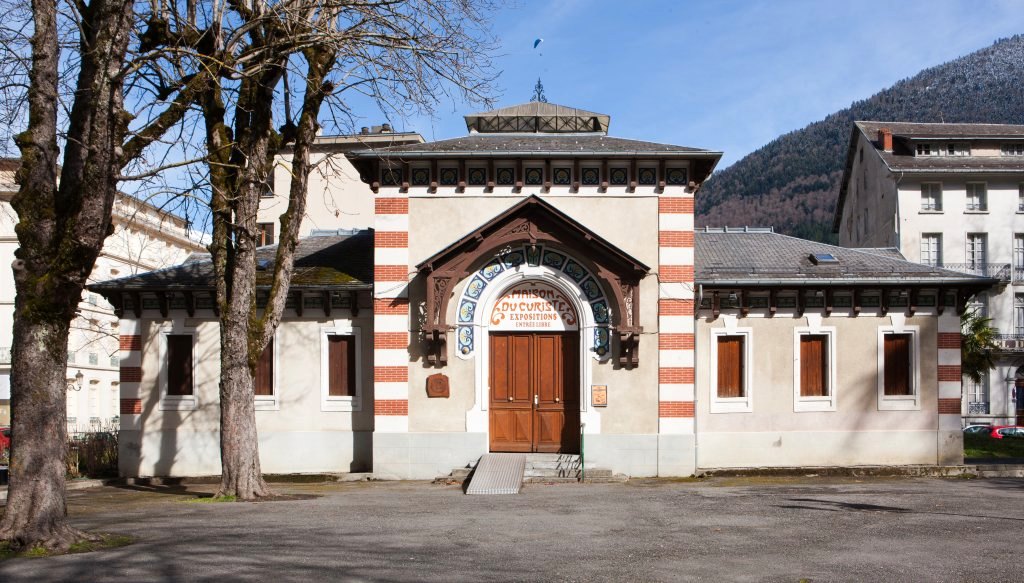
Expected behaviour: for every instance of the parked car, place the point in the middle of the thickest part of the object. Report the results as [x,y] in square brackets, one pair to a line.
[1001,431]
[5,437]
[977,430]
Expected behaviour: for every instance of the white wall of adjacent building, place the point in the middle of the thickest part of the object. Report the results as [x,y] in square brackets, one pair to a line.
[144,239]
[886,208]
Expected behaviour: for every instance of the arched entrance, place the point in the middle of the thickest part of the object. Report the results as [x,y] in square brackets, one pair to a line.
[534,363]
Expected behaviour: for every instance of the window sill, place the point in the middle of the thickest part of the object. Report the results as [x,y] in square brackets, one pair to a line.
[928,212]
[342,404]
[741,405]
[976,212]
[267,404]
[179,403]
[811,404]
[909,403]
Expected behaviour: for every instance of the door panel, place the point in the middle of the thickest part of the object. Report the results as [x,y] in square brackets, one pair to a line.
[511,401]
[535,392]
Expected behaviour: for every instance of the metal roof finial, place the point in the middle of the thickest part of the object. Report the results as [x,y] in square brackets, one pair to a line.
[538,92]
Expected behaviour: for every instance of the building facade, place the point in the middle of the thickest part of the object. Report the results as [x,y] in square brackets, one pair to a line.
[144,238]
[538,286]
[949,195]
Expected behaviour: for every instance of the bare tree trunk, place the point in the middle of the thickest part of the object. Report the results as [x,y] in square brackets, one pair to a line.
[252,161]
[60,231]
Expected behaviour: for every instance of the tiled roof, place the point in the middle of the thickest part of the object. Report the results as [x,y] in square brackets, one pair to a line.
[953,131]
[547,145]
[761,257]
[905,161]
[335,262]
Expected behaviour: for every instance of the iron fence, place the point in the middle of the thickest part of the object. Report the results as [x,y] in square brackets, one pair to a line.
[1000,271]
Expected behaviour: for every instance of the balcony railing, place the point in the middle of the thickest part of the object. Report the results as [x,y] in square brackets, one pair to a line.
[5,355]
[977,408]
[1000,271]
[1010,342]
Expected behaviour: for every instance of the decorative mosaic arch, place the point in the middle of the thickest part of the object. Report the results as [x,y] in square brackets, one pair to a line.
[509,237]
[569,269]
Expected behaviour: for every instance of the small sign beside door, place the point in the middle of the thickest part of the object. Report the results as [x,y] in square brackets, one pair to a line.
[599,395]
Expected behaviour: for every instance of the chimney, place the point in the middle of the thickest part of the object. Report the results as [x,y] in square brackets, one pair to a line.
[364,131]
[885,139]
[385,129]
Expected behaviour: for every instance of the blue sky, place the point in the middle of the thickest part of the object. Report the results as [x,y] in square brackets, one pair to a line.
[725,75]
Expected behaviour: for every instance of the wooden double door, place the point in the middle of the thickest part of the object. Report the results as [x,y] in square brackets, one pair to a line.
[535,392]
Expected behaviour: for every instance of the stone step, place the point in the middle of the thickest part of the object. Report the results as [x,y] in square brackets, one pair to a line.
[603,478]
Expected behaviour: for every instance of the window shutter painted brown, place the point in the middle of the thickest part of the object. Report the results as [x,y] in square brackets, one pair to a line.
[341,361]
[266,233]
[179,364]
[730,366]
[897,364]
[265,371]
[813,366]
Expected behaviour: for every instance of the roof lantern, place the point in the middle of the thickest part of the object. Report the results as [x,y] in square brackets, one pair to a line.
[538,117]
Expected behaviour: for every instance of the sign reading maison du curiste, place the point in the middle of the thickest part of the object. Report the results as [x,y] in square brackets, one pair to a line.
[533,306]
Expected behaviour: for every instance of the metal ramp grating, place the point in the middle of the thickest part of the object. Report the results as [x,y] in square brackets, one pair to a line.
[498,473]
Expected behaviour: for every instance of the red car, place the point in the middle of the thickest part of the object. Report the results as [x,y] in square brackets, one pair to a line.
[5,438]
[1001,431]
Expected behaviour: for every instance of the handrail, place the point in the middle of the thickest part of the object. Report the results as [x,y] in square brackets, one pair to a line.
[583,460]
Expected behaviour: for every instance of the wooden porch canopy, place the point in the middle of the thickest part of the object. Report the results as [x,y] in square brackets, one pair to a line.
[529,222]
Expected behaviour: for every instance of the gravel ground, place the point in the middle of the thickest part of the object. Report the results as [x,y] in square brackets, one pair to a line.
[735,529]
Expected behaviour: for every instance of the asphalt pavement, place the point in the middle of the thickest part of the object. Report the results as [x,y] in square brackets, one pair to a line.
[721,529]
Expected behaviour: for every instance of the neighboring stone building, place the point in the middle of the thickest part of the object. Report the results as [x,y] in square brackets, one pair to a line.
[949,195]
[531,287]
[145,238]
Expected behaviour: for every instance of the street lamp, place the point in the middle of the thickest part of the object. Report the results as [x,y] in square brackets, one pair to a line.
[75,384]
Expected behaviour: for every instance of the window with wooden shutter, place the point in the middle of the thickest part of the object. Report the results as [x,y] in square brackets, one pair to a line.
[264,234]
[179,364]
[341,356]
[730,367]
[897,365]
[264,380]
[814,365]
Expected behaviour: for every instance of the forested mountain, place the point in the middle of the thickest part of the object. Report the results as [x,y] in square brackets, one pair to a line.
[792,183]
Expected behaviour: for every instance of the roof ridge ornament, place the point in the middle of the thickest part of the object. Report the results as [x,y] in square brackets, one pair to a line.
[538,92]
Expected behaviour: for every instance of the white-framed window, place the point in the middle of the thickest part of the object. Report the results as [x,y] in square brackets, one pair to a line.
[814,369]
[977,395]
[979,304]
[927,150]
[1018,257]
[931,196]
[1018,314]
[1013,149]
[977,251]
[265,380]
[899,370]
[931,249]
[731,359]
[341,375]
[177,369]
[957,149]
[977,196]
[1020,198]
